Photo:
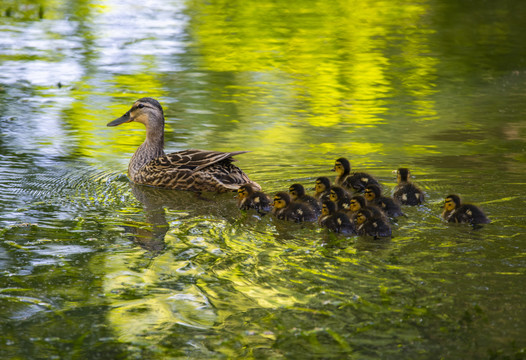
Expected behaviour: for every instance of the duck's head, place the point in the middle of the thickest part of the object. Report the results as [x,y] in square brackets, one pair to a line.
[328,208]
[337,193]
[372,192]
[342,166]
[322,184]
[296,191]
[281,200]
[362,216]
[451,202]
[145,111]
[403,175]
[244,191]
[357,202]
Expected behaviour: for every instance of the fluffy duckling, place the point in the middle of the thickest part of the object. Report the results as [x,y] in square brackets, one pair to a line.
[358,202]
[373,195]
[285,209]
[322,188]
[297,194]
[366,225]
[406,192]
[457,212]
[248,198]
[356,181]
[340,197]
[334,220]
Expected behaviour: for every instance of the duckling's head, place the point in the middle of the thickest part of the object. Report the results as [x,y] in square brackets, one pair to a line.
[322,184]
[451,202]
[342,166]
[296,191]
[372,192]
[336,193]
[328,208]
[244,191]
[403,175]
[145,110]
[362,216]
[357,202]
[281,200]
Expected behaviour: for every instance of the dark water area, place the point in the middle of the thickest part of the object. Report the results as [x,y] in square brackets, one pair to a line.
[92,266]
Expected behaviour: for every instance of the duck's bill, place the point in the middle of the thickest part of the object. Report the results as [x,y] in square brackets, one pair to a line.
[123,119]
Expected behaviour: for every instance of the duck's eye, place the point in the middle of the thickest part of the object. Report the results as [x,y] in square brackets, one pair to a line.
[140,106]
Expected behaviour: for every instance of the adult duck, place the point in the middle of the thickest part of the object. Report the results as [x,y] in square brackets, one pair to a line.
[194,170]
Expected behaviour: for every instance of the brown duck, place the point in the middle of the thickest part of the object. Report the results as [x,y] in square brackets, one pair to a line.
[194,170]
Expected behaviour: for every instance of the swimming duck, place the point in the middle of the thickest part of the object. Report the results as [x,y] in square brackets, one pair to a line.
[286,209]
[358,202]
[340,197]
[356,181]
[248,198]
[457,212]
[373,195]
[297,194]
[406,192]
[195,170]
[334,220]
[322,188]
[366,225]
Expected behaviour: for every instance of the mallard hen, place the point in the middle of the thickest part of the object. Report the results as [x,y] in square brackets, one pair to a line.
[194,170]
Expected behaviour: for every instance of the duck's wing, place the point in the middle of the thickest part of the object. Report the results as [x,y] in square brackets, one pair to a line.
[196,170]
[193,159]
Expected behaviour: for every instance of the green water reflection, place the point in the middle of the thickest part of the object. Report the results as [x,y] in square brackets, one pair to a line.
[94,267]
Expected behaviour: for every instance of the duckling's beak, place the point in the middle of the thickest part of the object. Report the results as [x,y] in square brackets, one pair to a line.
[123,119]
[333,169]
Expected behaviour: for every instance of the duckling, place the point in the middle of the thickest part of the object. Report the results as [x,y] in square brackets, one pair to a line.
[406,192]
[334,220]
[358,202]
[248,198]
[457,212]
[194,170]
[340,197]
[356,181]
[285,209]
[322,188]
[388,205]
[297,194]
[366,225]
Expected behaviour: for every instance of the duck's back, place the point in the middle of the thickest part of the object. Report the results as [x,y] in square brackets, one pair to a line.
[195,170]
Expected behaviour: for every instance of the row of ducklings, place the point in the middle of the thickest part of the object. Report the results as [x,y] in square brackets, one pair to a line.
[341,207]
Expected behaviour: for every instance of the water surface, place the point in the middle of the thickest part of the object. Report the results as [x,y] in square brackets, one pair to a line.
[92,266]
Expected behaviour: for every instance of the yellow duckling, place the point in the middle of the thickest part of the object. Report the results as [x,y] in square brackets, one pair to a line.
[334,220]
[195,170]
[373,195]
[248,198]
[285,209]
[356,181]
[297,194]
[407,193]
[366,225]
[322,188]
[457,212]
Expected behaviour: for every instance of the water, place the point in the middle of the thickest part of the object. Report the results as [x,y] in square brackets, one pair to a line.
[94,267]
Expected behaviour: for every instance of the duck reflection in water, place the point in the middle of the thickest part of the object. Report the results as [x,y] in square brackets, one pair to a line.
[155,201]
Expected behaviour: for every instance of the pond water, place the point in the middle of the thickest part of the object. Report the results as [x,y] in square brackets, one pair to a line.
[94,267]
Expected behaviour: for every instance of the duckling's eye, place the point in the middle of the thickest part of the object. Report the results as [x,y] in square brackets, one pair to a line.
[140,106]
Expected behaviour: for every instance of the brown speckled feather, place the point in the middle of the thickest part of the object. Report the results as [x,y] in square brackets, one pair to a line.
[196,170]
